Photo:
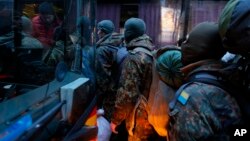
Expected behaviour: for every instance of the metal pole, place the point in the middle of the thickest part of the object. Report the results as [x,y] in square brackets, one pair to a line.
[186,18]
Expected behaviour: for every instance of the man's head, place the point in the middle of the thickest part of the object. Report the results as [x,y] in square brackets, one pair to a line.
[105,27]
[203,42]
[46,11]
[234,26]
[134,27]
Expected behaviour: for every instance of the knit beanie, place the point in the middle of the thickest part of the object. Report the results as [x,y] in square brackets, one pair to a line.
[106,26]
[203,42]
[46,8]
[134,27]
[168,66]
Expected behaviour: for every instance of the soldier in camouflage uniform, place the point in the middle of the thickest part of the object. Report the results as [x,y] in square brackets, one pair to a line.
[203,111]
[235,32]
[135,80]
[86,52]
[106,69]
[56,54]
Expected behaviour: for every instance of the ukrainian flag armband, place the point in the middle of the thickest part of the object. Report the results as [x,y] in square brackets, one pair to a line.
[183,97]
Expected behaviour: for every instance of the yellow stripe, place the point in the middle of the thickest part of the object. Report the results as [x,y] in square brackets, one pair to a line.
[184,94]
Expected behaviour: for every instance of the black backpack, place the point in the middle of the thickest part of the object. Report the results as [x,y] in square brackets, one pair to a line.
[121,54]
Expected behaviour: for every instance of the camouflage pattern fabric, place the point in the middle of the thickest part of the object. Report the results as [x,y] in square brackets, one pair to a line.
[135,79]
[56,54]
[208,113]
[105,71]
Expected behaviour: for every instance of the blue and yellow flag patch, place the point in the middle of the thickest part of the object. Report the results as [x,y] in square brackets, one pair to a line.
[183,97]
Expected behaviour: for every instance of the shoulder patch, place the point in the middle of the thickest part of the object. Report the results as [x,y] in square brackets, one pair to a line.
[183,97]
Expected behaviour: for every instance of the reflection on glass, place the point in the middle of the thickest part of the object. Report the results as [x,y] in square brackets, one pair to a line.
[168,20]
[6,31]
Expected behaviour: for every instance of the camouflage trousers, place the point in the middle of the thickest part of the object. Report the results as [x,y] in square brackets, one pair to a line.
[143,130]
[108,105]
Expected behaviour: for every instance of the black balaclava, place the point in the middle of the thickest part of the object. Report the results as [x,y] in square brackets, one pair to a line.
[134,27]
[203,42]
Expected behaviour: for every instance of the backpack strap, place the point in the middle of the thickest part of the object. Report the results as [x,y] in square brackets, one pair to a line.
[207,78]
[121,54]
[113,47]
[144,50]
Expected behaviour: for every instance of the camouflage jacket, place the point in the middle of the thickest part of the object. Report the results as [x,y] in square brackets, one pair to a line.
[106,55]
[203,112]
[135,80]
[56,54]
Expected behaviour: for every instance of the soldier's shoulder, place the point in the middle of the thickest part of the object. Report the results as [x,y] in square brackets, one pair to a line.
[132,52]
